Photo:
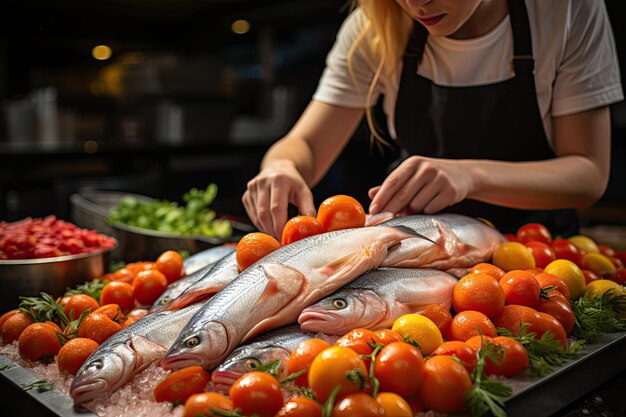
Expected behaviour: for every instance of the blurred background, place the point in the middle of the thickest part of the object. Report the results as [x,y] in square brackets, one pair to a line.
[158,96]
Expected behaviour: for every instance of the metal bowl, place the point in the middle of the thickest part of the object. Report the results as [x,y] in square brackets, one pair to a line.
[52,275]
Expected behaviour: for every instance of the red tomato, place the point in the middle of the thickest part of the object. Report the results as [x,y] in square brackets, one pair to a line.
[542,253]
[558,307]
[549,280]
[358,404]
[203,403]
[299,227]
[606,250]
[534,231]
[398,367]
[440,315]
[618,276]
[302,356]
[617,262]
[445,384]
[515,358]
[511,237]
[520,287]
[257,393]
[341,212]
[300,407]
[460,350]
[550,324]
[589,276]
[360,341]
[564,249]
[387,336]
[180,385]
[478,342]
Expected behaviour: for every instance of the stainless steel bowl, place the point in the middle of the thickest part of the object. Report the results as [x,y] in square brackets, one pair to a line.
[52,275]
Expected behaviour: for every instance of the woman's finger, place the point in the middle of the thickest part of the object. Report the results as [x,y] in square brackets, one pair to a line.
[391,186]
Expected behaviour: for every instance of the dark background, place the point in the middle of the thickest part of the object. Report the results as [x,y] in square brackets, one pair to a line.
[182,102]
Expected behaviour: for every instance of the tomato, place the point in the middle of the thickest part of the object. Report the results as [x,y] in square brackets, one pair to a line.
[300,407]
[253,247]
[98,327]
[549,280]
[120,293]
[112,311]
[589,276]
[357,404]
[302,356]
[203,403]
[360,341]
[618,276]
[542,253]
[565,249]
[125,274]
[180,385]
[398,367]
[511,237]
[440,315]
[520,287]
[617,262]
[14,325]
[513,316]
[148,286]
[6,316]
[460,350]
[488,269]
[79,303]
[329,368]
[606,250]
[534,231]
[170,264]
[550,324]
[445,384]
[558,307]
[387,336]
[515,358]
[341,212]
[257,393]
[74,353]
[478,292]
[39,342]
[299,227]
[394,405]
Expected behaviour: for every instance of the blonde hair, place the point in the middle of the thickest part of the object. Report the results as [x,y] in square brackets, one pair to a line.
[390,27]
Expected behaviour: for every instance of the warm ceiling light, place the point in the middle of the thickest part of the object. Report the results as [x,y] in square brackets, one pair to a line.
[240,26]
[101,52]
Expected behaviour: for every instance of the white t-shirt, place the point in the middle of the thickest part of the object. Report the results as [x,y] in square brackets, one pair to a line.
[576,67]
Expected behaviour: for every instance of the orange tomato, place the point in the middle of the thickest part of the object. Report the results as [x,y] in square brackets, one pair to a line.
[360,341]
[341,212]
[558,307]
[6,315]
[14,325]
[550,280]
[357,404]
[387,336]
[148,286]
[549,323]
[170,264]
[299,227]
[520,287]
[203,404]
[302,356]
[120,293]
[440,315]
[467,324]
[488,269]
[39,341]
[257,393]
[478,292]
[79,303]
[253,247]
[112,311]
[74,353]
[394,405]
[125,274]
[300,407]
[180,385]
[329,368]
[478,342]
[515,358]
[445,384]
[398,367]
[98,327]
[460,350]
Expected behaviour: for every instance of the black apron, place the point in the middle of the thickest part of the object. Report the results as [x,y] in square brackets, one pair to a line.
[497,121]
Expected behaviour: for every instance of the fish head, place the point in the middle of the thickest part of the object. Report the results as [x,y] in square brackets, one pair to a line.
[105,370]
[344,310]
[249,359]
[203,345]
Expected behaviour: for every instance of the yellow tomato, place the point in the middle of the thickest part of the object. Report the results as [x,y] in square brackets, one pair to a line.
[329,368]
[419,329]
[513,255]
[585,243]
[570,274]
[598,263]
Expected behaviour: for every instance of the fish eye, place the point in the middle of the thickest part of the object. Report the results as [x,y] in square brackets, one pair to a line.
[164,300]
[252,364]
[340,303]
[97,364]
[192,342]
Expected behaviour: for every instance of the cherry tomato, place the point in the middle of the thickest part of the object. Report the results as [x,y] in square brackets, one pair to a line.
[460,350]
[520,287]
[534,231]
[387,336]
[515,358]
[618,276]
[394,405]
[617,262]
[341,212]
[257,393]
[565,249]
[170,264]
[558,307]
[300,407]
[203,403]
[542,253]
[550,280]
[148,286]
[120,293]
[398,367]
[329,368]
[357,404]
[79,303]
[302,356]
[299,227]
[511,237]
[360,341]
[606,250]
[445,384]
[548,323]
[589,276]
[180,385]
[440,315]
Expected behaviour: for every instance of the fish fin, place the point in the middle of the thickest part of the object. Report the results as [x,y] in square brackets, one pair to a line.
[283,282]
[379,218]
[413,233]
[188,298]
[147,351]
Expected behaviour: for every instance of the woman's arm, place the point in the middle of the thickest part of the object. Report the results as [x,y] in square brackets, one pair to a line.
[297,162]
[576,178]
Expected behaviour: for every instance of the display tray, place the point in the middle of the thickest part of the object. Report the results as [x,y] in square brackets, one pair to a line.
[594,365]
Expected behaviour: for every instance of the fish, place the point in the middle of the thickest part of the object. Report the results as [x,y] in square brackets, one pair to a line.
[206,257]
[128,352]
[219,276]
[377,298]
[177,287]
[274,345]
[273,291]
[454,242]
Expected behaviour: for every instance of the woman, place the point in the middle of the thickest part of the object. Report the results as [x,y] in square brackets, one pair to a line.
[500,106]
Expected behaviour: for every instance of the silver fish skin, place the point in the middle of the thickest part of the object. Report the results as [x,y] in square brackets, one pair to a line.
[219,276]
[274,290]
[377,298]
[128,352]
[210,256]
[177,287]
[274,345]
[461,242]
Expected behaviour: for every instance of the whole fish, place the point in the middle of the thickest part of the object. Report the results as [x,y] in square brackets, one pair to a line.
[459,242]
[128,352]
[219,276]
[275,345]
[274,290]
[177,287]
[377,298]
[206,257]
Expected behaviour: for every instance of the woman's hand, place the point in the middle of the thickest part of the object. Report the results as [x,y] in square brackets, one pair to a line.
[269,193]
[423,185]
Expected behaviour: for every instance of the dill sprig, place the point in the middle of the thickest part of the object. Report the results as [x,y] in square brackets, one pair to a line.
[599,315]
[44,308]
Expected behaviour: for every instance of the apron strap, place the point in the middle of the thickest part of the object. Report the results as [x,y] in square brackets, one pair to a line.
[522,61]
